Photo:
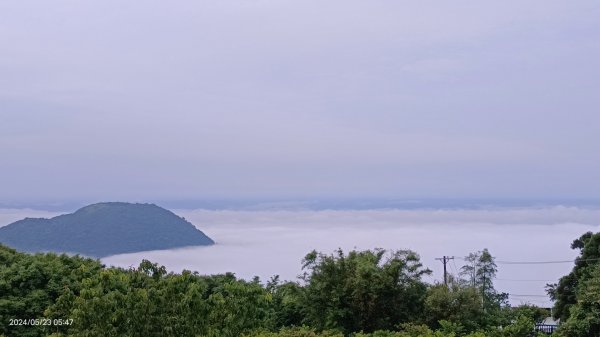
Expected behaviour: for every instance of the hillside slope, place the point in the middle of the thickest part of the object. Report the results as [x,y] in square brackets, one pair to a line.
[104,229]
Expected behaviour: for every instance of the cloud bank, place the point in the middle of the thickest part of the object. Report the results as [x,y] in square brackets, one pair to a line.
[274,242]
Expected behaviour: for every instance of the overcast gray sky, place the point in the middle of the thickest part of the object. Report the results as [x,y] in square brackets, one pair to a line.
[142,100]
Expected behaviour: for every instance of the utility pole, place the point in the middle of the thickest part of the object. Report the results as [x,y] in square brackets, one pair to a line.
[445,260]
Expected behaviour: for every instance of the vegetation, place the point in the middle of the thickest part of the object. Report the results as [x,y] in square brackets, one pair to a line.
[104,229]
[363,291]
[357,294]
[577,294]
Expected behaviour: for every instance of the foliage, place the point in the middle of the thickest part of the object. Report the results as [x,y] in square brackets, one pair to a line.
[479,272]
[577,294]
[287,303]
[362,291]
[534,313]
[358,294]
[521,327]
[564,293]
[31,283]
[148,302]
[409,330]
[454,304]
[295,332]
[584,318]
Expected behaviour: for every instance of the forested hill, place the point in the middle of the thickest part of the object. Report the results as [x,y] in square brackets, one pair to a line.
[104,229]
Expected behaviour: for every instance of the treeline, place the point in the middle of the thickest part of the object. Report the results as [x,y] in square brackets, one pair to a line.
[373,293]
[577,294]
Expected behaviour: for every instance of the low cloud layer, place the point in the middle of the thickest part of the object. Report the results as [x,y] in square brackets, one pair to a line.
[274,242]
[8,216]
[266,243]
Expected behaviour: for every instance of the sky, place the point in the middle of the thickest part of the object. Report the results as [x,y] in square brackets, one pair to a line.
[282,99]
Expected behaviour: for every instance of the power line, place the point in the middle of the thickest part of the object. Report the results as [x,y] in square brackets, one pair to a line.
[456,268]
[534,301]
[541,262]
[534,262]
[514,280]
[453,270]
[516,295]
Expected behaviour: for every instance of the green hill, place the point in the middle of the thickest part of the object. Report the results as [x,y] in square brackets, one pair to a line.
[104,229]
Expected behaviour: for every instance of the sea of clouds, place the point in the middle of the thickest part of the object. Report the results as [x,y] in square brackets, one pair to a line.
[267,243]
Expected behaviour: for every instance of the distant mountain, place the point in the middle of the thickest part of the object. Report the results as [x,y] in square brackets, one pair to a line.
[104,229]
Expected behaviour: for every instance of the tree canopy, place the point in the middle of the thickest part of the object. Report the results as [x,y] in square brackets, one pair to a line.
[577,294]
[372,293]
[564,293]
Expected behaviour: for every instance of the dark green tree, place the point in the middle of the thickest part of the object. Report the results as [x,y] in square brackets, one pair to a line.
[29,284]
[584,316]
[533,312]
[564,293]
[455,303]
[286,303]
[148,301]
[363,291]
[479,272]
